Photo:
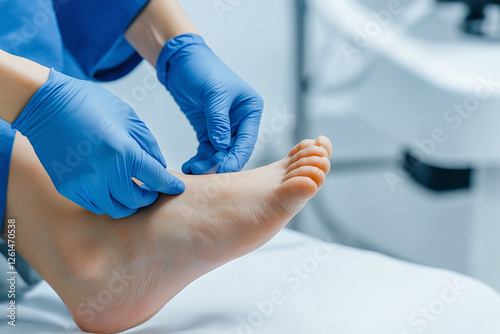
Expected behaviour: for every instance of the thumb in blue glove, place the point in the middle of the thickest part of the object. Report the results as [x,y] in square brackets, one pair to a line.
[91,144]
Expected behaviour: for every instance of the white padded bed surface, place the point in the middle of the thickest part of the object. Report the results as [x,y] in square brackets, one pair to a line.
[337,290]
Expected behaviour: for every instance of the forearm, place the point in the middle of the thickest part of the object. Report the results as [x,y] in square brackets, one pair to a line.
[160,21]
[20,78]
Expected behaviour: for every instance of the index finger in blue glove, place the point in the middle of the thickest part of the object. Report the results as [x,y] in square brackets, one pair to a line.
[205,151]
[246,137]
[210,165]
[218,124]
[156,177]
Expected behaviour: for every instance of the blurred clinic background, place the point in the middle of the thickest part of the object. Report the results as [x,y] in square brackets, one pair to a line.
[409,93]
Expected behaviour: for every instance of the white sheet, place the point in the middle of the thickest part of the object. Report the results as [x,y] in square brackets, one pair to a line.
[345,291]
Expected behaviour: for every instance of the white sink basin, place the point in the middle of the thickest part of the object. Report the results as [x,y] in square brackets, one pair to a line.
[422,66]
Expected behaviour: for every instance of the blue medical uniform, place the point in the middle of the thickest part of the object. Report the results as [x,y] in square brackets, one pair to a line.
[81,38]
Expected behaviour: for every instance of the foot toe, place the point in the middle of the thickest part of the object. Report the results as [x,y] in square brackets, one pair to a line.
[310,151]
[321,141]
[326,143]
[320,162]
[300,146]
[314,173]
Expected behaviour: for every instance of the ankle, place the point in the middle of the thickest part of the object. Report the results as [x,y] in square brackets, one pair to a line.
[81,248]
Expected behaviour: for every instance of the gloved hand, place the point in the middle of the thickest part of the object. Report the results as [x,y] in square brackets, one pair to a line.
[223,109]
[91,144]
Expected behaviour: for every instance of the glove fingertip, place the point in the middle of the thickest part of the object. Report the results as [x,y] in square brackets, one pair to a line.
[122,213]
[230,165]
[186,168]
[172,185]
[177,187]
[202,167]
[145,187]
[163,162]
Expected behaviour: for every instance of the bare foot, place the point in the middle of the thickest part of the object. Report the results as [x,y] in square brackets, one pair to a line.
[116,274]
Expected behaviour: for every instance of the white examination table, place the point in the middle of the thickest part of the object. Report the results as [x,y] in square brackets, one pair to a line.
[339,290]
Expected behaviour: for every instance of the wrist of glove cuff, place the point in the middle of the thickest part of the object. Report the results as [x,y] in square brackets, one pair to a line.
[31,117]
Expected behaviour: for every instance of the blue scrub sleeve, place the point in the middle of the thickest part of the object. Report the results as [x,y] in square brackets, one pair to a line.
[93,31]
[7,135]
[29,29]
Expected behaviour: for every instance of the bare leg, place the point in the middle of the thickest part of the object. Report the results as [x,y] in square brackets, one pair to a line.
[116,274]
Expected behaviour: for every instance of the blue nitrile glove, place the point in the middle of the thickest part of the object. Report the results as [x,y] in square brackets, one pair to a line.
[223,109]
[91,144]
